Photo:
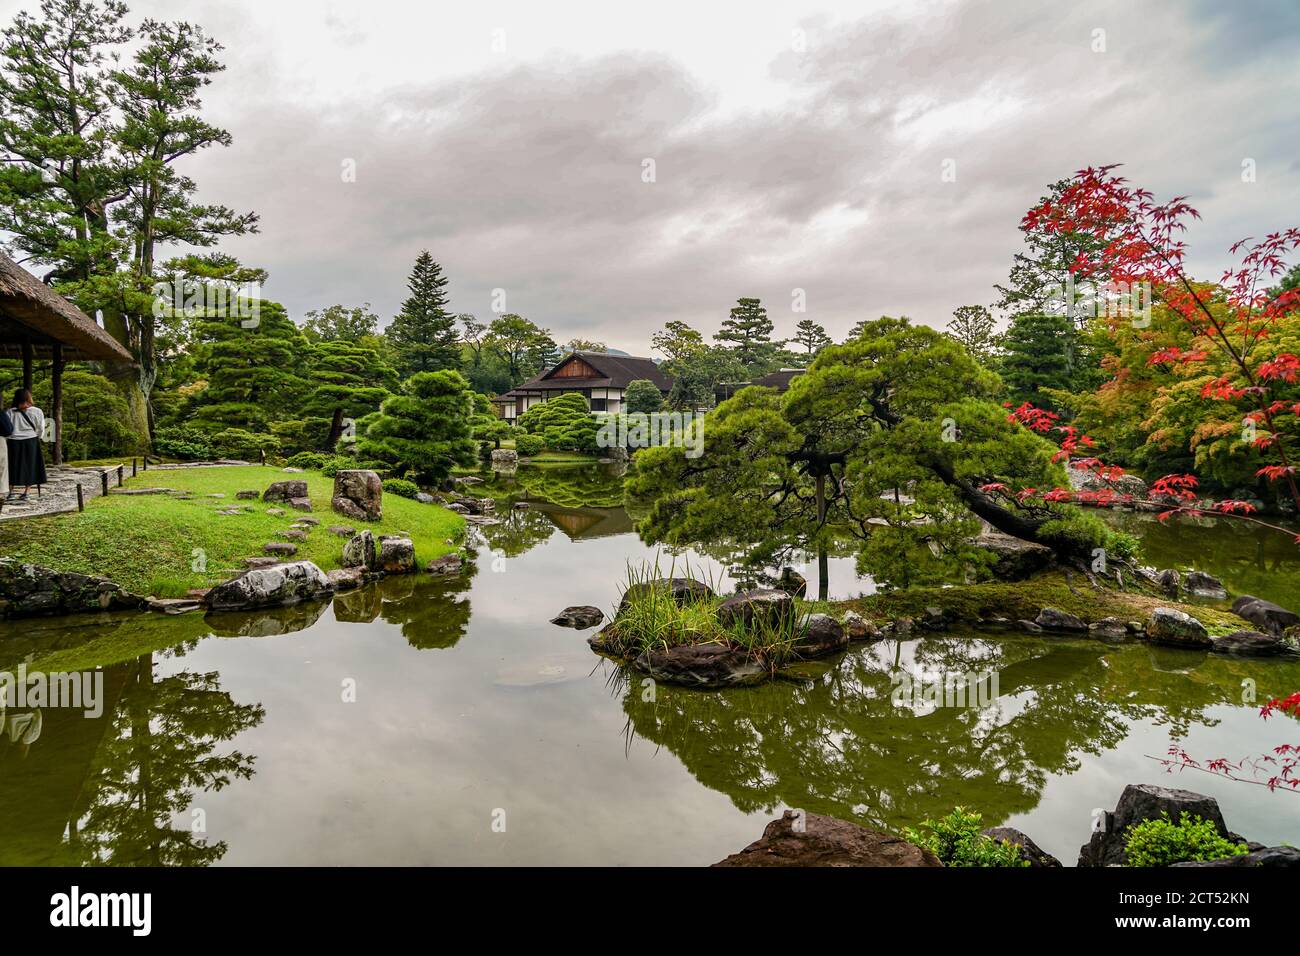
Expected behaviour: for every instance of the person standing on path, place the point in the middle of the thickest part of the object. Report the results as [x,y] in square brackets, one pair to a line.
[26,462]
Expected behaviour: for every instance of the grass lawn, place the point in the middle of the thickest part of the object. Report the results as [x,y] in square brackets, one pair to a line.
[147,543]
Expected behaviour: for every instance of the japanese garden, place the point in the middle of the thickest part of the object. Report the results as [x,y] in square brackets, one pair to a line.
[1009,583]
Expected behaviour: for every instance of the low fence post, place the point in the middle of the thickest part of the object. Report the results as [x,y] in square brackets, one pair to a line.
[133,471]
[120,469]
[81,498]
[103,482]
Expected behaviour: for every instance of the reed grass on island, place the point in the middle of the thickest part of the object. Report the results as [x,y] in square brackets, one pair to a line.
[158,545]
[652,619]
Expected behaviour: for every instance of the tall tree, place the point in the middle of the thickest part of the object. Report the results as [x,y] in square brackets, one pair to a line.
[811,336]
[423,334]
[973,327]
[677,341]
[1040,351]
[522,347]
[346,379]
[748,332]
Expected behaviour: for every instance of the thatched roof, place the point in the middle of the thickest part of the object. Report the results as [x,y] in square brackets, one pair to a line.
[31,311]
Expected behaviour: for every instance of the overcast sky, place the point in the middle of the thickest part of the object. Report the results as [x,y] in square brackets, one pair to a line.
[795,146]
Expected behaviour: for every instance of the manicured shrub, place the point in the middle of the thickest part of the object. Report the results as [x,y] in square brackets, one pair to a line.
[179,441]
[401,487]
[528,445]
[308,459]
[1161,842]
[642,396]
[956,840]
[236,442]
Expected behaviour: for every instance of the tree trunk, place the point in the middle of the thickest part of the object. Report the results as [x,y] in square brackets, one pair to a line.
[127,381]
[823,565]
[336,430]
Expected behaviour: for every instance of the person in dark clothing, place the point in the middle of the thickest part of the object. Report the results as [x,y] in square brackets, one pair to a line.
[26,463]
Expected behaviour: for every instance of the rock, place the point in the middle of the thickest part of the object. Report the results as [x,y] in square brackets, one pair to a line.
[505,456]
[1109,629]
[1248,644]
[467,480]
[681,590]
[424,498]
[359,552]
[810,839]
[342,530]
[358,494]
[1175,629]
[792,583]
[280,547]
[260,562]
[819,635]
[216,494]
[30,590]
[300,504]
[934,619]
[521,506]
[859,628]
[293,534]
[1014,560]
[1170,581]
[285,490]
[1272,856]
[174,605]
[758,608]
[1140,802]
[448,564]
[396,554]
[346,579]
[579,617]
[1265,615]
[310,522]
[1029,627]
[275,511]
[292,471]
[1051,619]
[897,628]
[701,665]
[457,507]
[276,586]
[1082,479]
[1205,585]
[246,495]
[1029,850]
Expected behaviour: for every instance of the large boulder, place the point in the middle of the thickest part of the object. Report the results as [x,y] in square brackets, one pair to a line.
[681,590]
[358,494]
[703,666]
[1145,801]
[1052,619]
[29,590]
[819,635]
[859,628]
[396,554]
[276,586]
[579,617]
[445,566]
[1014,559]
[810,839]
[1265,615]
[1270,856]
[1029,850]
[1173,628]
[504,457]
[360,552]
[286,490]
[1249,644]
[1202,585]
[792,583]
[758,608]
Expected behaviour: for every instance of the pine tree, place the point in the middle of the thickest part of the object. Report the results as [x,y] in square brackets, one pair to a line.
[347,380]
[423,334]
[811,336]
[972,326]
[426,429]
[748,331]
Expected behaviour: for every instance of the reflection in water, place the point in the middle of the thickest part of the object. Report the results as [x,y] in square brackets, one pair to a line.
[837,744]
[512,711]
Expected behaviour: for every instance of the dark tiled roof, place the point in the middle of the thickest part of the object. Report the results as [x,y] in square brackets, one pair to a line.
[779,380]
[619,371]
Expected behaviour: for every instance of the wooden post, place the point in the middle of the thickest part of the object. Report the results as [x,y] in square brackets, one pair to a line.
[81,498]
[103,482]
[120,469]
[56,384]
[261,454]
[27,365]
[146,462]
[133,463]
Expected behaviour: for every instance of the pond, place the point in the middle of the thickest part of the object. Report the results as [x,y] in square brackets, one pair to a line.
[419,722]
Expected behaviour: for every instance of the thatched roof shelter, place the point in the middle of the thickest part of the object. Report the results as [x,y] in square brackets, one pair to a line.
[34,315]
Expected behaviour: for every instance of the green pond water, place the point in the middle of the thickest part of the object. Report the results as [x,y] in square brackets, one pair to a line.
[481,734]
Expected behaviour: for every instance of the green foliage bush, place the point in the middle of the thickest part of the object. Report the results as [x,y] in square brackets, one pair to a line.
[528,445]
[565,423]
[426,429]
[402,487]
[1161,842]
[308,459]
[179,441]
[956,840]
[236,442]
[642,396]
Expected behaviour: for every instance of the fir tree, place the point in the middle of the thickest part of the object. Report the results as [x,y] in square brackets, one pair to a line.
[423,334]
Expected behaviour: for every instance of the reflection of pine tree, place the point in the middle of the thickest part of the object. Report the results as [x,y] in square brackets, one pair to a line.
[161,750]
[431,614]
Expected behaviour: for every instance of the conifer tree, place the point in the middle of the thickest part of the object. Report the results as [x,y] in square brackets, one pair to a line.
[424,430]
[423,334]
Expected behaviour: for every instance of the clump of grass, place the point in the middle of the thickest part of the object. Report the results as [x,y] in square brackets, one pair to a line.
[652,619]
